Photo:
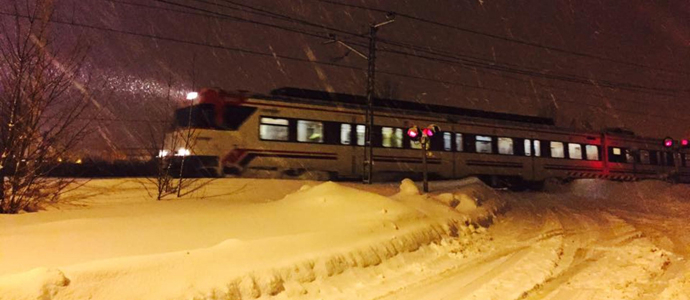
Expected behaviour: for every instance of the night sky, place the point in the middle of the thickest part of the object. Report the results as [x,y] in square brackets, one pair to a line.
[607,63]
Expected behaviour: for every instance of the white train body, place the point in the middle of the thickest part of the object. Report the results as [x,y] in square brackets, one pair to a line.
[293,136]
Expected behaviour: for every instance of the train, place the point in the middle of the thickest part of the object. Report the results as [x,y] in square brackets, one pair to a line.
[302,133]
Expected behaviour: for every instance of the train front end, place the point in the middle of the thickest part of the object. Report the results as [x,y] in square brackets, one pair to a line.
[204,130]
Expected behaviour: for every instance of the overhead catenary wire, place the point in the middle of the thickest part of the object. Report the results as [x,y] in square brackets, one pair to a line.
[462,61]
[508,39]
[330,64]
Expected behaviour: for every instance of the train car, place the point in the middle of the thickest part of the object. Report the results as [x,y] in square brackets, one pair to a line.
[305,133]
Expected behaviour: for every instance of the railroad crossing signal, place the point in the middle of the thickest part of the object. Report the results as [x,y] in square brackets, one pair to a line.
[668,142]
[423,137]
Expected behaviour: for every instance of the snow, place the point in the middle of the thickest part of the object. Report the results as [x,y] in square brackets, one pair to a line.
[289,239]
[119,244]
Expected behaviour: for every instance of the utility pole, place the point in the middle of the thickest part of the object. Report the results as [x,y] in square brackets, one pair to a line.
[368,169]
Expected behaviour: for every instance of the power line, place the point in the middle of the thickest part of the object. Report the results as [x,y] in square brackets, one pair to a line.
[467,59]
[241,19]
[453,55]
[273,56]
[281,16]
[507,39]
[554,76]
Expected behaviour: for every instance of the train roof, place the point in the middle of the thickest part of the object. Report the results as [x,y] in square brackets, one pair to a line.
[340,98]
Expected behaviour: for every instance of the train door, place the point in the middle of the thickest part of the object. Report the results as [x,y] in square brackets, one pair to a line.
[353,137]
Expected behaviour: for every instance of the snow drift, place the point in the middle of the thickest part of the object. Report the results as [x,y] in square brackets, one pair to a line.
[231,250]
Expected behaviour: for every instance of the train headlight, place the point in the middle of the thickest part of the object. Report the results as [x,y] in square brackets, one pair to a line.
[192,95]
[183,152]
[163,153]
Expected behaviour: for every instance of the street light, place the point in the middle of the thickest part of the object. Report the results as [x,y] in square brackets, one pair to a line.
[422,136]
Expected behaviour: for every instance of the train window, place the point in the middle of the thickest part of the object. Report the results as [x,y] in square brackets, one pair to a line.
[527,144]
[629,157]
[592,152]
[309,131]
[398,138]
[447,142]
[483,144]
[537,147]
[505,146]
[235,116]
[644,157]
[274,129]
[669,159]
[653,157]
[361,131]
[458,142]
[557,150]
[574,151]
[415,144]
[197,116]
[392,137]
[345,131]
[616,155]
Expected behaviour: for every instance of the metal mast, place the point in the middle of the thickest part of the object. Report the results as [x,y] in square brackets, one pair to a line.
[368,169]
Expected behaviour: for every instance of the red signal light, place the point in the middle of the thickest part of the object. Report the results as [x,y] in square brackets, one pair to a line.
[684,143]
[428,132]
[413,133]
[668,142]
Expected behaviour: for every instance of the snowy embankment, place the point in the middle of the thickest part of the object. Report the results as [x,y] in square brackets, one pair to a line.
[213,244]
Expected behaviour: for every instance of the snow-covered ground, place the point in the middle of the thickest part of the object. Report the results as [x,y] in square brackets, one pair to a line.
[281,239]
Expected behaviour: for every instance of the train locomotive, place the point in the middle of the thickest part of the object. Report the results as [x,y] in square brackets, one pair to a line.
[302,133]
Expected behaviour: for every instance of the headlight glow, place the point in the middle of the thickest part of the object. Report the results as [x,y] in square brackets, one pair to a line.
[192,95]
[183,152]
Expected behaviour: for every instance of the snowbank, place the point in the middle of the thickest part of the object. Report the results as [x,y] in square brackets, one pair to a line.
[212,249]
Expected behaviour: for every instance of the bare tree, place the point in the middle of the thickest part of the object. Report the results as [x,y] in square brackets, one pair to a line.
[158,140]
[42,95]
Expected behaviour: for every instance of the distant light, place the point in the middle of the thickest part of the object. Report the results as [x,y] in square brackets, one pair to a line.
[183,152]
[192,95]
[163,153]
[78,161]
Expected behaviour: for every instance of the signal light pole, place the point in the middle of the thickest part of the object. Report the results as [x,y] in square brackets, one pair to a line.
[368,167]
[676,147]
[422,136]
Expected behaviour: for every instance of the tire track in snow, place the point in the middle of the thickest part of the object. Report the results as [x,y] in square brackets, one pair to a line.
[576,257]
[505,274]
[596,242]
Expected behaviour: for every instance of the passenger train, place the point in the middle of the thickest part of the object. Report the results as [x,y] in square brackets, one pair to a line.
[293,132]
